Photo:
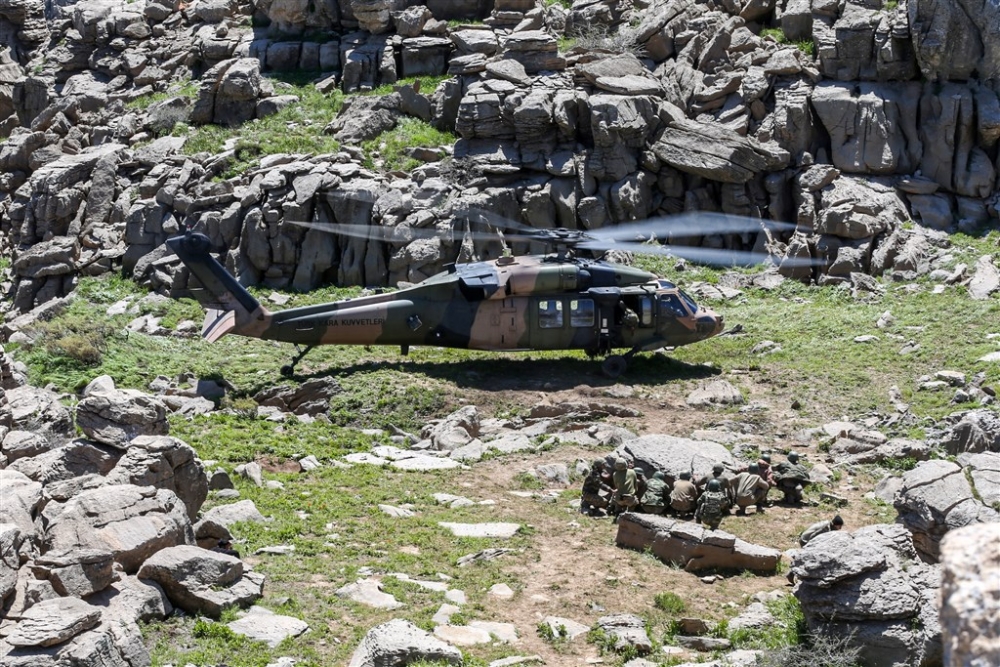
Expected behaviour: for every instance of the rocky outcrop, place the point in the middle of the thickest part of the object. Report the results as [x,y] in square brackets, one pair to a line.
[970,596]
[939,496]
[116,416]
[691,545]
[973,431]
[869,587]
[165,463]
[132,522]
[675,455]
[202,582]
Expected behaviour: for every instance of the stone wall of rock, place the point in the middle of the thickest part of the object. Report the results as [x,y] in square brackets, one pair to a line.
[874,129]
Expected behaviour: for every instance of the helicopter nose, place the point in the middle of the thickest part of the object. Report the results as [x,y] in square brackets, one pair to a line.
[709,323]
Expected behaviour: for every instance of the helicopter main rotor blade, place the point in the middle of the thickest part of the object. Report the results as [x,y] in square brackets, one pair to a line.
[399,234]
[709,256]
[694,223]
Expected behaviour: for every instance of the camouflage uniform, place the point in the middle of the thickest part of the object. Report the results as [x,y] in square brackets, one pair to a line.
[792,478]
[819,528]
[596,493]
[654,500]
[712,506]
[725,480]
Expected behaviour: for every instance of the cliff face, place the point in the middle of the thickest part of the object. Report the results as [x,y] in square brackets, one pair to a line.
[846,118]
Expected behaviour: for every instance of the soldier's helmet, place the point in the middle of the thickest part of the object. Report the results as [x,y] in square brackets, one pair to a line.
[598,464]
[658,474]
[753,469]
[685,475]
[718,468]
[793,457]
[766,458]
[714,485]
[621,464]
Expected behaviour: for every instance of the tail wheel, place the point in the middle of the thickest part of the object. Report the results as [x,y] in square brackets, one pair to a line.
[287,370]
[614,366]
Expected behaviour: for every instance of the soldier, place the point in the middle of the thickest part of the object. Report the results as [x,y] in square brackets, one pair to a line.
[820,527]
[226,547]
[626,488]
[750,489]
[654,500]
[596,492]
[725,481]
[712,505]
[766,473]
[684,496]
[792,478]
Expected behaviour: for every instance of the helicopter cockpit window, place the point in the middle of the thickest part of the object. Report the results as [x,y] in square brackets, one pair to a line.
[550,314]
[689,302]
[581,313]
[671,304]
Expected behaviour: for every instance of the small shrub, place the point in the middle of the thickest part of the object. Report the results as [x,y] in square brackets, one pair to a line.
[617,40]
[391,147]
[819,651]
[807,47]
[77,347]
[669,602]
[777,34]
[901,464]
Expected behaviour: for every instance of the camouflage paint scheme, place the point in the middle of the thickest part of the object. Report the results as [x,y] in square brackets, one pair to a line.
[539,303]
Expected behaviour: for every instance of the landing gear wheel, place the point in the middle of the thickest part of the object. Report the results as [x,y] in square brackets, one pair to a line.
[287,370]
[614,366]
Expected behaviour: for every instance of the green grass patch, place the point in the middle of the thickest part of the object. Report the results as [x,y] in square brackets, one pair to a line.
[669,602]
[789,629]
[777,34]
[389,150]
[187,89]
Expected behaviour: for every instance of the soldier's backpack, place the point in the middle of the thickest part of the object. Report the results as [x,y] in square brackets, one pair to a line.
[714,505]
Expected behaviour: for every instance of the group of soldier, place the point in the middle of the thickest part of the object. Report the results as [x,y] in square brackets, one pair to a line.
[707,500]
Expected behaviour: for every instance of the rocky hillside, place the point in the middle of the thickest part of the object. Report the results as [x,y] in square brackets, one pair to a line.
[127,122]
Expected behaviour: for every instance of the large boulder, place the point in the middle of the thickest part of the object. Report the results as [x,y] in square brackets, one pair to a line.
[227,515]
[399,642]
[691,545]
[674,455]
[10,559]
[939,496]
[716,153]
[117,416]
[34,409]
[73,460]
[975,431]
[869,587]
[201,581]
[76,573]
[312,397]
[970,596]
[20,500]
[166,463]
[133,522]
[52,622]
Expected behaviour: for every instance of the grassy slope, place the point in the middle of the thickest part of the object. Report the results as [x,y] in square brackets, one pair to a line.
[819,364]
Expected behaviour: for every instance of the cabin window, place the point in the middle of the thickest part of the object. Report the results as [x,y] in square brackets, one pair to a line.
[581,313]
[688,301]
[646,311]
[670,304]
[550,314]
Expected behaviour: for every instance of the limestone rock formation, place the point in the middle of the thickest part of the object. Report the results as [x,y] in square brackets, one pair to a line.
[937,497]
[201,581]
[398,642]
[166,463]
[115,416]
[970,596]
[868,585]
[691,545]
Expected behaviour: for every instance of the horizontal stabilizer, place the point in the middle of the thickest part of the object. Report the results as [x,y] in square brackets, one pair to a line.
[217,324]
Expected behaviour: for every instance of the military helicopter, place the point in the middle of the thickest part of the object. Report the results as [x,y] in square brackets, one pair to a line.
[558,301]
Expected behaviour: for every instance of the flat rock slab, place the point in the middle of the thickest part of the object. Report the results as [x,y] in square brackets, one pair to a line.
[565,627]
[418,463]
[675,455]
[692,546]
[55,621]
[400,642]
[629,84]
[504,632]
[501,591]
[369,592]
[715,392]
[503,530]
[628,630]
[264,625]
[365,457]
[444,613]
[396,512]
[462,635]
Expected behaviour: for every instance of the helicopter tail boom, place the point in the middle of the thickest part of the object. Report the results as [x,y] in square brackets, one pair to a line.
[230,307]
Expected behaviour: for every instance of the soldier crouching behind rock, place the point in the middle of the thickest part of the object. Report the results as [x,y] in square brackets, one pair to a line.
[596,494]
[712,506]
[684,495]
[626,493]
